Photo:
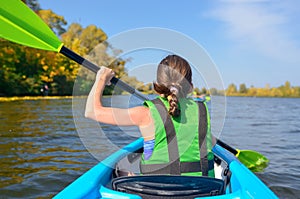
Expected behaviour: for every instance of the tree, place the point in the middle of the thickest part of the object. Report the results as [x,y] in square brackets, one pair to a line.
[243,88]
[33,4]
[197,91]
[90,43]
[54,21]
[214,91]
[287,85]
[20,69]
[91,36]
[231,89]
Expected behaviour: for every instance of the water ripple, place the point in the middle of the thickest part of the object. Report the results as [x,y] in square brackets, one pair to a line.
[41,152]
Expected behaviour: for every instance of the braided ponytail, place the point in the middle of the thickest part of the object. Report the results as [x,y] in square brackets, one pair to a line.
[173,102]
[174,81]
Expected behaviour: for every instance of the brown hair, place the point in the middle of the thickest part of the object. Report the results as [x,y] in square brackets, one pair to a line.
[174,81]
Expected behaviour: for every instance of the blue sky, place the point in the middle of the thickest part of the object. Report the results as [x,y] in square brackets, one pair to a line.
[251,41]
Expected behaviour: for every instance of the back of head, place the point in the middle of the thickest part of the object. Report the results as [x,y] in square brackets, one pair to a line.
[174,81]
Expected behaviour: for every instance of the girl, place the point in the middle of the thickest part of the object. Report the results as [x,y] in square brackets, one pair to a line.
[176,129]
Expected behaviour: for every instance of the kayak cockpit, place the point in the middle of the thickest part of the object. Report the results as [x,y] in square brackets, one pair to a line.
[118,176]
[160,186]
[126,179]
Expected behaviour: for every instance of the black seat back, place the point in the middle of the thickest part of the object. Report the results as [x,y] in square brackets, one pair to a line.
[166,186]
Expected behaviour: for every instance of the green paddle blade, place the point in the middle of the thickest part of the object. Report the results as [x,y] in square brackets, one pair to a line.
[253,160]
[20,24]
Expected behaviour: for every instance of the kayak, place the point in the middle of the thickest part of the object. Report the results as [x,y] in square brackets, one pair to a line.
[118,176]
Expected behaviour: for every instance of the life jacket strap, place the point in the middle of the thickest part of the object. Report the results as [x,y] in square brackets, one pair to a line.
[202,132]
[185,167]
[171,137]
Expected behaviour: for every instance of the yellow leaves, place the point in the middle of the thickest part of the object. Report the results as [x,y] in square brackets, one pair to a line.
[75,44]
[231,89]
[52,74]
[92,36]
[9,51]
[285,90]
[45,67]
[71,37]
[45,78]
[61,68]
[54,21]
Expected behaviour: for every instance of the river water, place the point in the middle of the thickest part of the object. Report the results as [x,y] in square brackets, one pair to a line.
[43,143]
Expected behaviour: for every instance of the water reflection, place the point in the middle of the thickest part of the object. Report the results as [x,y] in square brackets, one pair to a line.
[39,147]
[41,153]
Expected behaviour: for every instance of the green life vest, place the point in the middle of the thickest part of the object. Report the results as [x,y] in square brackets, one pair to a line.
[182,144]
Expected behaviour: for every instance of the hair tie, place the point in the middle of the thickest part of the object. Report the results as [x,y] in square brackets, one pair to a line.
[173,89]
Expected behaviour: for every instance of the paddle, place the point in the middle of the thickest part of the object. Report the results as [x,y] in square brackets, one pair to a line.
[20,24]
[253,160]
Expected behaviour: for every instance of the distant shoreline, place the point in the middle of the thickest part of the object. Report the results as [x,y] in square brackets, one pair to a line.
[262,96]
[23,98]
[20,98]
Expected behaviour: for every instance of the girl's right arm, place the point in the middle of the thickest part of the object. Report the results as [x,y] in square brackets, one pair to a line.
[137,116]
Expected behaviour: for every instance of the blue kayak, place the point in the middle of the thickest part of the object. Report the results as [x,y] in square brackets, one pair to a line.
[109,180]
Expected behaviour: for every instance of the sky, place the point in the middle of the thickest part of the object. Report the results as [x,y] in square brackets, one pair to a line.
[255,42]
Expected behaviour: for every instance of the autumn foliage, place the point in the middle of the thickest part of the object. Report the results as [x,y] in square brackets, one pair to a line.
[25,70]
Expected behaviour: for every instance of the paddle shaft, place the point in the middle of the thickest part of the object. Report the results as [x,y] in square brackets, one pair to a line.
[227,147]
[89,65]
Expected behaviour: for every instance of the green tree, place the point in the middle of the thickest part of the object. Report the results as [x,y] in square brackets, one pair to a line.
[19,66]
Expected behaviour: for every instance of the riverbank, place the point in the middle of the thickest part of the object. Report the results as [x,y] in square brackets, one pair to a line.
[16,98]
[20,98]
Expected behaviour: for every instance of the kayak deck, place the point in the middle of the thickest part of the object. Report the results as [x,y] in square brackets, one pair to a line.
[98,182]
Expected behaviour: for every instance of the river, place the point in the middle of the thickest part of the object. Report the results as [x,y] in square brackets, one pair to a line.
[43,143]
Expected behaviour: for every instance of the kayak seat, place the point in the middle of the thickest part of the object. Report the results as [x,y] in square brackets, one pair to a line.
[166,186]
[129,165]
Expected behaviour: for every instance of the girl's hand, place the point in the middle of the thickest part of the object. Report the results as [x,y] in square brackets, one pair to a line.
[105,74]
